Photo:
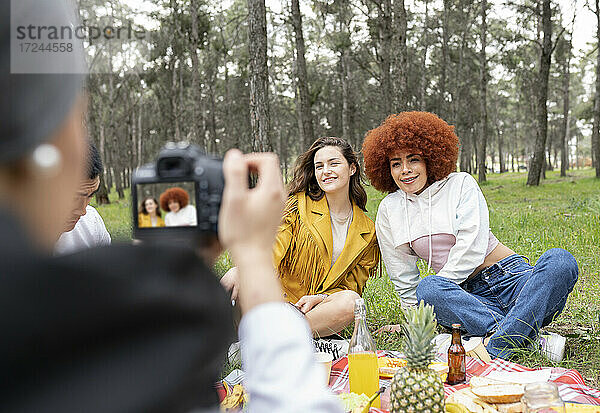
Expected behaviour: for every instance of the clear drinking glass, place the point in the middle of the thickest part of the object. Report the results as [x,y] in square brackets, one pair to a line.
[542,398]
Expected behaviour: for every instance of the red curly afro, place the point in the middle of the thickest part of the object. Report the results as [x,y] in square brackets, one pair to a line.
[178,194]
[421,132]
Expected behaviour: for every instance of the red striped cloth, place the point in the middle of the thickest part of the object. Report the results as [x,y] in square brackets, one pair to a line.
[571,385]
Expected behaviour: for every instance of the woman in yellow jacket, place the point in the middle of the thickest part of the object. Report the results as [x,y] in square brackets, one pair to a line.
[149,215]
[326,248]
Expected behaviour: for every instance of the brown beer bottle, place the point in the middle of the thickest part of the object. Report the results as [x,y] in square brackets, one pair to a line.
[457,362]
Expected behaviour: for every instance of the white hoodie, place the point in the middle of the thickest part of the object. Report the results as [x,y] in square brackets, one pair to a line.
[454,205]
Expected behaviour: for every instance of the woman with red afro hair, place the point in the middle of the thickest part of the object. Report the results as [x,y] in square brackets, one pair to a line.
[440,216]
[179,212]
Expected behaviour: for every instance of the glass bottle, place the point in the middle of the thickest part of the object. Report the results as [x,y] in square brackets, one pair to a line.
[542,398]
[457,362]
[362,356]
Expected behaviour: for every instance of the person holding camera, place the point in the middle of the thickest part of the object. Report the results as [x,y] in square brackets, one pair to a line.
[326,247]
[128,328]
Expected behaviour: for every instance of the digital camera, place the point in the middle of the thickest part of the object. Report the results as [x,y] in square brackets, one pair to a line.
[178,196]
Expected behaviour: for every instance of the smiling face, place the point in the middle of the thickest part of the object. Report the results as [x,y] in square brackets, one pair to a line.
[174,205]
[150,206]
[332,170]
[409,171]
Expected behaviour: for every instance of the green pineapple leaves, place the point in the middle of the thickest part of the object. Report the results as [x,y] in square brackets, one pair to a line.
[419,330]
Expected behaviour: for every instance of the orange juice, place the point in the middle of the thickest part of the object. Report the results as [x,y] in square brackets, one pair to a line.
[364,374]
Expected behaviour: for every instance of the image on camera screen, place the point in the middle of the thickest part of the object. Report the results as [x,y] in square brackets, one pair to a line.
[167,205]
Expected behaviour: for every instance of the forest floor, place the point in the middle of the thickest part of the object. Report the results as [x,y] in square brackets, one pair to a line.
[562,212]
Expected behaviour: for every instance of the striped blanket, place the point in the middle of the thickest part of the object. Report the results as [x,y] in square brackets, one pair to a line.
[571,385]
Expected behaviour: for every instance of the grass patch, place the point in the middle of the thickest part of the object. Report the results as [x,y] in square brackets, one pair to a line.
[562,212]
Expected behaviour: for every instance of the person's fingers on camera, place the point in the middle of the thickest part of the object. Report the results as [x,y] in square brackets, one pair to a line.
[235,171]
[234,292]
[266,165]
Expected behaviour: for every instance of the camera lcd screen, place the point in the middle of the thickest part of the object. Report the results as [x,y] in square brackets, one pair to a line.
[163,205]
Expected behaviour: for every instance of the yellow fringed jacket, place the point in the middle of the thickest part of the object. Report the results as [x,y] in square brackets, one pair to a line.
[304,244]
[145,221]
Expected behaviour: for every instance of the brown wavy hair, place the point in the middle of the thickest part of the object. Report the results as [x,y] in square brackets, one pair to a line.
[304,179]
[142,209]
[178,194]
[417,132]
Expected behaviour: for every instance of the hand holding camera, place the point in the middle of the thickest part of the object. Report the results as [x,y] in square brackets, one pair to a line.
[248,223]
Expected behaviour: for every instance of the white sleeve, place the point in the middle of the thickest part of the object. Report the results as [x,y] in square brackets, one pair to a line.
[168,219]
[400,262]
[473,234]
[103,237]
[191,218]
[278,356]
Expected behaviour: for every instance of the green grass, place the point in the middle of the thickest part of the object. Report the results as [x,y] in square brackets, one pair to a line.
[562,212]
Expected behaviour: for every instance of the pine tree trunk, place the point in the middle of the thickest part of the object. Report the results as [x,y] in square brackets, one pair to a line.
[196,95]
[537,163]
[102,194]
[596,125]
[425,39]
[305,125]
[259,76]
[343,72]
[564,138]
[384,55]
[400,57]
[445,38]
[483,95]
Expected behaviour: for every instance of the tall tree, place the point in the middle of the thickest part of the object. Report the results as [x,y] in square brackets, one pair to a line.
[483,128]
[564,136]
[384,54]
[303,104]
[596,125]
[537,163]
[259,76]
[400,57]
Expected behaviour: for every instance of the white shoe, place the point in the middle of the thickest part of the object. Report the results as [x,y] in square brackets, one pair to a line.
[552,346]
[336,347]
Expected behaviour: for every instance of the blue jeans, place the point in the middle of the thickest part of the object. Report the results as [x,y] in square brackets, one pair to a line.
[511,298]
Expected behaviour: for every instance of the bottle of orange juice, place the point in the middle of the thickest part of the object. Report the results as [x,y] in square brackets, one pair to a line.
[362,358]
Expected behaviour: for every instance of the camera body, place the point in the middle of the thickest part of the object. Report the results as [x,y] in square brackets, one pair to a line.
[186,168]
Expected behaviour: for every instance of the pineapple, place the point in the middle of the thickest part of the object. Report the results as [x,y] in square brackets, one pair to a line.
[415,387]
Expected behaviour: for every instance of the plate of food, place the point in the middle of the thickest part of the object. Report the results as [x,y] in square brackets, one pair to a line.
[388,366]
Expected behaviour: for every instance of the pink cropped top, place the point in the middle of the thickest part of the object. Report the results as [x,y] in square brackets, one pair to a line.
[440,247]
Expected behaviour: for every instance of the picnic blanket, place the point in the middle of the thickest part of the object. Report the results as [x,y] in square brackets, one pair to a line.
[571,385]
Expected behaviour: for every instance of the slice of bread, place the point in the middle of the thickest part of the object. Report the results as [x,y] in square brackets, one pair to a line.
[511,407]
[499,393]
[478,381]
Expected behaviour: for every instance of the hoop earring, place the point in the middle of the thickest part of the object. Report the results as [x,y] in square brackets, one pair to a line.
[46,159]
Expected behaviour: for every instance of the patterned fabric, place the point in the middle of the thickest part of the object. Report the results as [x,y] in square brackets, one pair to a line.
[571,385]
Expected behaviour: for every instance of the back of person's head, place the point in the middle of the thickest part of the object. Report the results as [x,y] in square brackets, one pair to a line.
[94,162]
[42,137]
[304,179]
[76,336]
